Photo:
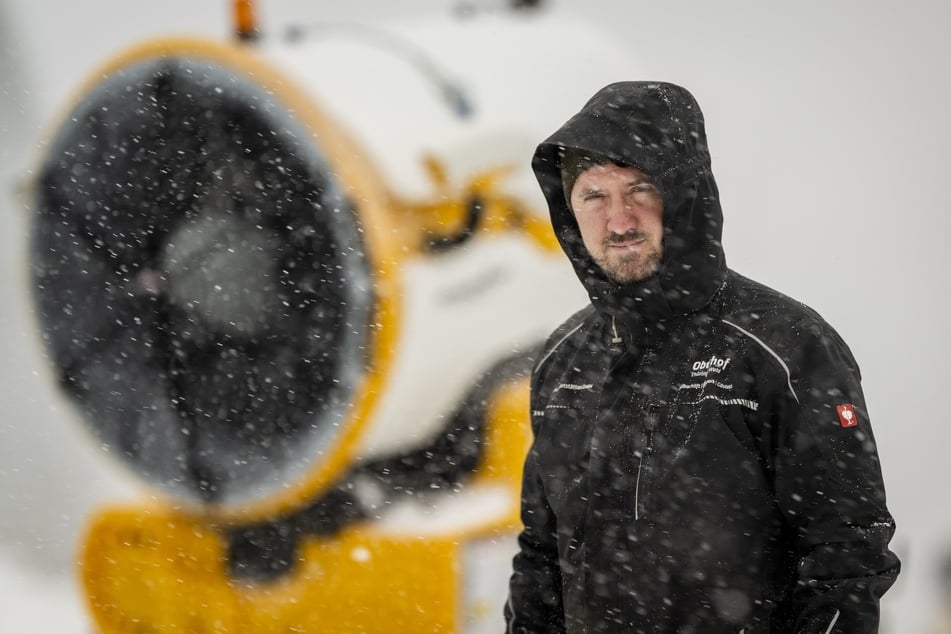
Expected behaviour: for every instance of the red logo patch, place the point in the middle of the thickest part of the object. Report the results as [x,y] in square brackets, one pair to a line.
[847,415]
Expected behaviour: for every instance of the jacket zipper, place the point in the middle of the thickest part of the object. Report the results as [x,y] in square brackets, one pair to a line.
[637,488]
[650,423]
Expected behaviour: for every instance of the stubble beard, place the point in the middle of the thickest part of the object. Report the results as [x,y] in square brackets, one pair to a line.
[628,267]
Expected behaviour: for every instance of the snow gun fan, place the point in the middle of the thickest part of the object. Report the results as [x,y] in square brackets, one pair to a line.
[300,298]
[201,283]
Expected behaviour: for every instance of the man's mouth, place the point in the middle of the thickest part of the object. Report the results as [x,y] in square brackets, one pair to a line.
[630,243]
[626,240]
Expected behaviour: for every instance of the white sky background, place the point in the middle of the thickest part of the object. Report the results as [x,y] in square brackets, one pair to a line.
[828,125]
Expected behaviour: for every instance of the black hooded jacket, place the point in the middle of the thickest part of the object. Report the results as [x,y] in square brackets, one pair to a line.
[703,459]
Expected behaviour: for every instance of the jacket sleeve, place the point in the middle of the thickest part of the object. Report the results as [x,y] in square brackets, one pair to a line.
[535,599]
[829,486]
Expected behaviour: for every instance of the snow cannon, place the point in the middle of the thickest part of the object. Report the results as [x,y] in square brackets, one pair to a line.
[296,287]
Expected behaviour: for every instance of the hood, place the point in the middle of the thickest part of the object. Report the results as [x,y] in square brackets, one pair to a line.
[658,128]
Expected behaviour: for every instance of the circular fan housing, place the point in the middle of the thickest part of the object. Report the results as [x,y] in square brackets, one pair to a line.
[200,280]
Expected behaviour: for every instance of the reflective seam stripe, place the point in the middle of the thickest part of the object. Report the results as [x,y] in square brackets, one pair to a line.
[508,626]
[555,347]
[753,405]
[772,352]
[835,618]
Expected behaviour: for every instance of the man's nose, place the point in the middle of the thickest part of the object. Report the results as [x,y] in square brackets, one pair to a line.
[621,217]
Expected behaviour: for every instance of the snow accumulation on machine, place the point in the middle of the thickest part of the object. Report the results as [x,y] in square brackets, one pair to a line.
[295,286]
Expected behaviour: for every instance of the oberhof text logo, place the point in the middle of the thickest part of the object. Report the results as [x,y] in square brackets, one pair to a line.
[713,365]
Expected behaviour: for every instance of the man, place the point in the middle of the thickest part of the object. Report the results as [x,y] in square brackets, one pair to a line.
[703,460]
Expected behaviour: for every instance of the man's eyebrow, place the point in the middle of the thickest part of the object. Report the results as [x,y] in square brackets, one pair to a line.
[589,189]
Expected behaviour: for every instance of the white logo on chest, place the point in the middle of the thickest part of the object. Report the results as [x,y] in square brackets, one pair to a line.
[711,389]
[713,365]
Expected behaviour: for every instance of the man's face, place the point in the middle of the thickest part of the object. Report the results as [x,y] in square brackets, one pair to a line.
[620,214]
